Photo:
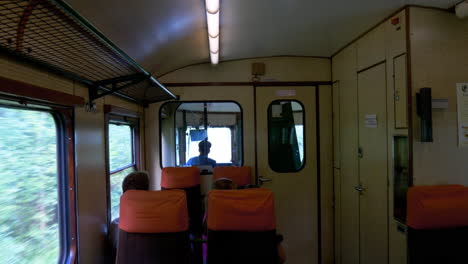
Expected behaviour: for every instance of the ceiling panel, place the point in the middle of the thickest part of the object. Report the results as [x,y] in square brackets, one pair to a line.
[164,35]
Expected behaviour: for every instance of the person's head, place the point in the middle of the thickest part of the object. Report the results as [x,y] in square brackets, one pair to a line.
[204,147]
[137,180]
[224,184]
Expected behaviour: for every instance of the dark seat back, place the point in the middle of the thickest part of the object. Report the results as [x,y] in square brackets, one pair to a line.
[241,227]
[187,179]
[437,221]
[153,228]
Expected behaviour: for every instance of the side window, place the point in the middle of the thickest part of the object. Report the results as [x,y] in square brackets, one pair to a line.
[34,208]
[123,143]
[286,136]
[201,134]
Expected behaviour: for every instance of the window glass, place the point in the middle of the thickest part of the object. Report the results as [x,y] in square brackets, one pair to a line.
[29,203]
[120,157]
[201,133]
[116,180]
[120,146]
[286,136]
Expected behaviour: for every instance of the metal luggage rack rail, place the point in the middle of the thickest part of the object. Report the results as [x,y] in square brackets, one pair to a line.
[54,37]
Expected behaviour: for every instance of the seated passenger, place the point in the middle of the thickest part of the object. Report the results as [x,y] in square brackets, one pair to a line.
[204,148]
[224,184]
[137,180]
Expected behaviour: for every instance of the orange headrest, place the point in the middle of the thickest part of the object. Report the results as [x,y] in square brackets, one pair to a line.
[432,207]
[241,210]
[153,211]
[240,175]
[181,177]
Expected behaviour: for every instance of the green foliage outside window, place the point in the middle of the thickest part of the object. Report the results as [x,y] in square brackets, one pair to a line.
[120,146]
[29,217]
[120,155]
[116,180]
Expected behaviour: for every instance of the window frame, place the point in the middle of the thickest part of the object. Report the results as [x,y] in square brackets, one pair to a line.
[113,115]
[63,117]
[304,133]
[241,115]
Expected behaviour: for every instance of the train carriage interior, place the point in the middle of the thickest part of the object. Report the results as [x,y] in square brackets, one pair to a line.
[215,131]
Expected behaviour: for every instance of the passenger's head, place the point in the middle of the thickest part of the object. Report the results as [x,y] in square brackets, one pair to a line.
[224,184]
[204,147]
[137,180]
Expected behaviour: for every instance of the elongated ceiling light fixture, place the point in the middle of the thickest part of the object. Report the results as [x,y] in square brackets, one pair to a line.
[212,18]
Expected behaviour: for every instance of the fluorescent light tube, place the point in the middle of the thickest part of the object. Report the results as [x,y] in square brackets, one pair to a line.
[212,6]
[214,44]
[213,24]
[214,58]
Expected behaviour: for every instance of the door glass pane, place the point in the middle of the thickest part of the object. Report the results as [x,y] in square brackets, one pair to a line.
[29,216]
[185,126]
[120,146]
[286,136]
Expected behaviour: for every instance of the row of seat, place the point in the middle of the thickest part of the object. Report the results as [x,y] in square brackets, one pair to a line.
[240,221]
[154,227]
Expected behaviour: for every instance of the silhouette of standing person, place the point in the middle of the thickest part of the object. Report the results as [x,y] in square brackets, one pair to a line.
[204,148]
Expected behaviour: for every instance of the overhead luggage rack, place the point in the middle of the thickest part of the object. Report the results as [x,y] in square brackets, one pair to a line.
[51,35]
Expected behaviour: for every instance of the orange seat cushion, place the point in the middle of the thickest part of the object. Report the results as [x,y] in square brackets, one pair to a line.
[153,211]
[241,210]
[433,207]
[180,177]
[240,175]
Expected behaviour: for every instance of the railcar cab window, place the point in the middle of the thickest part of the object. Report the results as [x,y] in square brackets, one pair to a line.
[205,134]
[122,138]
[34,201]
[286,136]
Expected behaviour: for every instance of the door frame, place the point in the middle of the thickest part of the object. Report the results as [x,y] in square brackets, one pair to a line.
[316,85]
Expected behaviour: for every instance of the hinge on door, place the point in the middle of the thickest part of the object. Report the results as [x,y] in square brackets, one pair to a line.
[360,153]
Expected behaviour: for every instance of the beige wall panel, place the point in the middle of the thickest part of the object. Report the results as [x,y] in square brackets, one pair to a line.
[372,92]
[336,125]
[91,181]
[337,215]
[395,35]
[397,240]
[439,56]
[326,173]
[400,92]
[277,69]
[21,72]
[241,94]
[371,48]
[344,65]
[397,244]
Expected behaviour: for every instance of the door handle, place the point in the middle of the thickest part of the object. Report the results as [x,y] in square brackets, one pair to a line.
[359,188]
[263,179]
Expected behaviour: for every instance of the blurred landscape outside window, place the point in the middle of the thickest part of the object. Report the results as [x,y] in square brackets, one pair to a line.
[29,200]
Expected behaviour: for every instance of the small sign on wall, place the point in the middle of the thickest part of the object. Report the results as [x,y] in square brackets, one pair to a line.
[370,121]
[283,93]
[462,107]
